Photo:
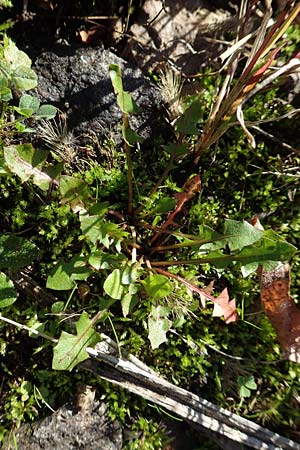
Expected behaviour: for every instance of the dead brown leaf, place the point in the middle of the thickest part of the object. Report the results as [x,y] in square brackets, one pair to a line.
[281,310]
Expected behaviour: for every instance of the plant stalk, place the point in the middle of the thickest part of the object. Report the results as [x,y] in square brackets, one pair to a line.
[31,330]
[129,169]
[164,175]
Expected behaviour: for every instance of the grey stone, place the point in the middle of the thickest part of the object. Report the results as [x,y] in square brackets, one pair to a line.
[67,429]
[78,82]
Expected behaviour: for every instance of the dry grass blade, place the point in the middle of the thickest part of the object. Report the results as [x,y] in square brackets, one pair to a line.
[252,79]
[58,138]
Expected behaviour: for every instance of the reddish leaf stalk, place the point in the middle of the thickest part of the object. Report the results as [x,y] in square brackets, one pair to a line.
[190,188]
[222,303]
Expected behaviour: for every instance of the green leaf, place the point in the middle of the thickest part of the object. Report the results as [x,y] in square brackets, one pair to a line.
[187,122]
[269,248]
[29,102]
[246,385]
[8,294]
[54,171]
[214,240]
[23,112]
[112,285]
[5,94]
[17,67]
[26,162]
[34,324]
[130,136]
[124,99]
[176,149]
[64,275]
[5,71]
[9,23]
[164,205]
[157,286]
[249,269]
[16,57]
[240,234]
[3,81]
[249,246]
[158,325]
[46,112]
[6,4]
[282,249]
[73,191]
[126,303]
[96,229]
[100,260]
[116,78]
[129,300]
[59,278]
[92,225]
[244,392]
[126,103]
[24,79]
[249,382]
[57,307]
[22,128]
[71,349]
[129,274]
[119,285]
[3,169]
[16,252]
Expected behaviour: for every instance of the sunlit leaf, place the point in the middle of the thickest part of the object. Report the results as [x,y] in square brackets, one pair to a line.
[64,275]
[96,229]
[269,248]
[240,234]
[157,286]
[29,102]
[100,260]
[164,205]
[46,112]
[113,286]
[71,349]
[246,385]
[26,162]
[24,78]
[8,294]
[26,112]
[16,57]
[92,225]
[124,99]
[158,325]
[116,78]
[74,191]
[57,307]
[5,94]
[129,300]
[129,274]
[126,103]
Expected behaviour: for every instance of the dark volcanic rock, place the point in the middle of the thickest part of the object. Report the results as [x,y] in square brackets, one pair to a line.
[68,430]
[78,82]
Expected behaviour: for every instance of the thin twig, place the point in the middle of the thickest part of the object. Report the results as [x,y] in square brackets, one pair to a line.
[31,330]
